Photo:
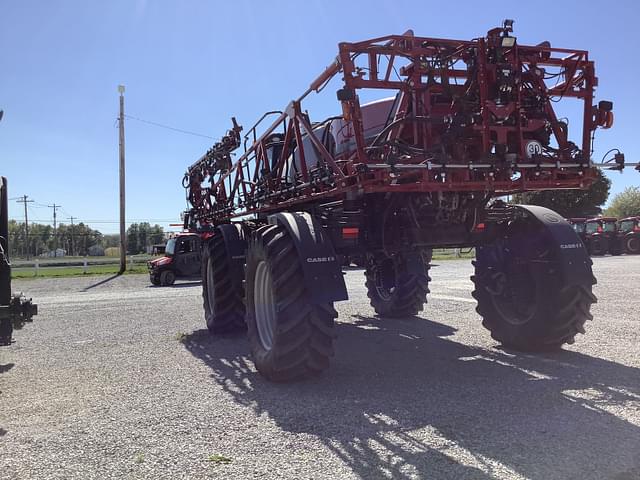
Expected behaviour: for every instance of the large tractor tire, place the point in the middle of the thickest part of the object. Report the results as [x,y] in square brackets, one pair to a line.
[397,289]
[523,296]
[290,336]
[598,245]
[223,306]
[632,244]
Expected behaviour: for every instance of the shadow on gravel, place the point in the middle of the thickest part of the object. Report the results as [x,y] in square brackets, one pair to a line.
[6,367]
[403,401]
[101,282]
[194,283]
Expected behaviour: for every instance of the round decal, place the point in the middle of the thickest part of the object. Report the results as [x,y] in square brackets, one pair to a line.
[534,147]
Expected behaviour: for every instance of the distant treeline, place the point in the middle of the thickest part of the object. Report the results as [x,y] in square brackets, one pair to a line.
[78,240]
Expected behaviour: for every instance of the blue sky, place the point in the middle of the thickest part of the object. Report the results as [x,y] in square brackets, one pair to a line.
[193,64]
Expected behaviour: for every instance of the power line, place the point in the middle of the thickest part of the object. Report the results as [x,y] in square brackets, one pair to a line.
[156,124]
[67,213]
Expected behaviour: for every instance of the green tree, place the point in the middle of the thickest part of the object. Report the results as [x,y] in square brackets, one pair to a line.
[77,239]
[570,203]
[156,235]
[625,204]
[40,238]
[16,238]
[142,235]
[132,239]
[111,240]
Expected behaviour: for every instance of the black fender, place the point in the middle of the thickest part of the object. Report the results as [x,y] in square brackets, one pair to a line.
[320,265]
[573,258]
[236,247]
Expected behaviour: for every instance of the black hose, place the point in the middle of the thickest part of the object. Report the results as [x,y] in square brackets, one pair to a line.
[388,128]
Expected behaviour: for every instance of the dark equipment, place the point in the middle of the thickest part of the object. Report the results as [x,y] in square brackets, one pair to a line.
[602,236]
[388,181]
[182,258]
[15,309]
[629,230]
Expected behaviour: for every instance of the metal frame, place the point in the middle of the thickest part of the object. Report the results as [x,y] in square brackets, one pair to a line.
[487,156]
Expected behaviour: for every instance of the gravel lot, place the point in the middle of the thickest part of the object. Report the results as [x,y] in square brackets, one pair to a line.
[118,379]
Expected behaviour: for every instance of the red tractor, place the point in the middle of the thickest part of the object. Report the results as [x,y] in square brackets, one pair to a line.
[602,236]
[182,259]
[629,229]
[467,121]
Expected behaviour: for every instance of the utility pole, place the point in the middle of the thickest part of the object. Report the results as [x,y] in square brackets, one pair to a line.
[55,230]
[26,222]
[72,243]
[123,232]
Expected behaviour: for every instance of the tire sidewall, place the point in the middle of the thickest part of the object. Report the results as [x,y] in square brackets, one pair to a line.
[396,305]
[257,253]
[632,240]
[204,269]
[491,258]
[221,298]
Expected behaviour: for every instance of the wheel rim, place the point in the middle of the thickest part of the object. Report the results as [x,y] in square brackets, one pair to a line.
[385,281]
[633,245]
[264,304]
[211,291]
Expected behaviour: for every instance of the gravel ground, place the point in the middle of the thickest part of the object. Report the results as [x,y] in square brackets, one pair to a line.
[117,379]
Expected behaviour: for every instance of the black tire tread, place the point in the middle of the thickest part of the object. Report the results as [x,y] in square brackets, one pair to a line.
[303,341]
[573,301]
[408,299]
[228,313]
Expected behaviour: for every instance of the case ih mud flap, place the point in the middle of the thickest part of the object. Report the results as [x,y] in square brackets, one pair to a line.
[572,256]
[320,264]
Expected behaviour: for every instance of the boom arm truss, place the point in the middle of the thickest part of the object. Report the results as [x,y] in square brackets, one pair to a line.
[468,116]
